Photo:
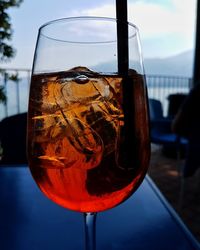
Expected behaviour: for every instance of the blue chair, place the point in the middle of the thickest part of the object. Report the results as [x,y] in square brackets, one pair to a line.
[161,132]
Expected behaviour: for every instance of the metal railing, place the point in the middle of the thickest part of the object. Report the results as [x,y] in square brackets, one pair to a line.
[159,87]
[16,91]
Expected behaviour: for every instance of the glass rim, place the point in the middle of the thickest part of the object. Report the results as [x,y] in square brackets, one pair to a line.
[74,18]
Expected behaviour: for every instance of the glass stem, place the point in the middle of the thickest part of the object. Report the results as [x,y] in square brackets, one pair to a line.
[90,230]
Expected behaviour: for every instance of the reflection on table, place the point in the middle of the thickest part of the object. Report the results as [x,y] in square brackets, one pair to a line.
[30,221]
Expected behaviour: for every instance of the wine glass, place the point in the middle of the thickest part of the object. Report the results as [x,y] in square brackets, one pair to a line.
[88,133]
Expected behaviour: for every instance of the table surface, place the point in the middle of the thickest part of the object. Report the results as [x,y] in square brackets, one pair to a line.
[30,221]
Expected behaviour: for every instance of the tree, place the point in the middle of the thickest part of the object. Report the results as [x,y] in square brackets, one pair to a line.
[6,50]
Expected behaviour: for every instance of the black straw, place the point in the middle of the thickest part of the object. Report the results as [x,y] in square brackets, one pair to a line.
[128,145]
[122,36]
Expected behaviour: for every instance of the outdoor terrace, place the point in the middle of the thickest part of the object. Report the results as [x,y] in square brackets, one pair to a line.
[163,170]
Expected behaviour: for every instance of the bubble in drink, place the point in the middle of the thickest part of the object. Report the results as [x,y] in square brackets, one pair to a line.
[81,79]
[82,155]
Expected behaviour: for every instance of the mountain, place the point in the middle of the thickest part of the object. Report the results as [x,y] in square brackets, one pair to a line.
[177,65]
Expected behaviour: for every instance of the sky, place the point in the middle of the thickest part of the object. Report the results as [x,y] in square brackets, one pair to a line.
[166,27]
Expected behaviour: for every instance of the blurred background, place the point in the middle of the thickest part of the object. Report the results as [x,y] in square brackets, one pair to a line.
[167,31]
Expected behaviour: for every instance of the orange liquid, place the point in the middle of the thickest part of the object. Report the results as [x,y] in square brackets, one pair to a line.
[81,153]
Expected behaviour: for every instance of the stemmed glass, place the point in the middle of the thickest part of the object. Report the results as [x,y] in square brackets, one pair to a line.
[88,133]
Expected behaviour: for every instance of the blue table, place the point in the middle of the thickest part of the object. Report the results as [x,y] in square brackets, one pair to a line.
[29,221]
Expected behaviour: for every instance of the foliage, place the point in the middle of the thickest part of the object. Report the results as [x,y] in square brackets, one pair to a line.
[6,49]
[2,95]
